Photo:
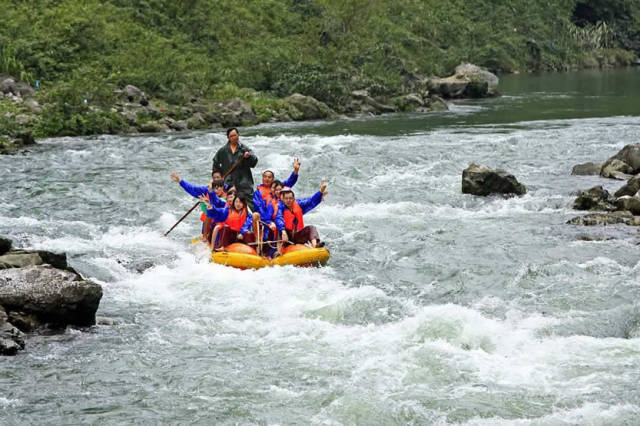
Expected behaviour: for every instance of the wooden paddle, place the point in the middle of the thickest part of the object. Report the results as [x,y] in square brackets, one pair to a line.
[198,202]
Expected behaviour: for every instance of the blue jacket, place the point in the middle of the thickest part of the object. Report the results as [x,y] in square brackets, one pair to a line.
[221,214]
[306,204]
[196,191]
[266,209]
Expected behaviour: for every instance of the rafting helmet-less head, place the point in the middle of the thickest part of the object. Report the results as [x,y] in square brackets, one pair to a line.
[233,135]
[276,187]
[267,178]
[287,196]
[239,203]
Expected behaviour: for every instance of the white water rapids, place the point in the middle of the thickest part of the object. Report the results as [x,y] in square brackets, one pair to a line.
[435,307]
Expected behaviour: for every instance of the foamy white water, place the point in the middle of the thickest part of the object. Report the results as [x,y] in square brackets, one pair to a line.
[435,308]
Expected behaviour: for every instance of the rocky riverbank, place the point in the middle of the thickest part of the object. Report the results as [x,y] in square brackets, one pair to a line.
[24,112]
[38,292]
[621,207]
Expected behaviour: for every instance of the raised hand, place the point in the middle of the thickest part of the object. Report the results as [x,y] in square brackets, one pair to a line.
[175,177]
[323,188]
[205,200]
[296,165]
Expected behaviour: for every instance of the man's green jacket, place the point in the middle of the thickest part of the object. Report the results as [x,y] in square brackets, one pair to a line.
[241,177]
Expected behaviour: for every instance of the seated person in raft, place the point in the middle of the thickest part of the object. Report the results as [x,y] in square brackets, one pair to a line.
[269,211]
[237,222]
[289,218]
[215,201]
[263,196]
[215,186]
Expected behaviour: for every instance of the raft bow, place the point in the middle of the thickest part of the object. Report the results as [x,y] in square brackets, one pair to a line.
[242,256]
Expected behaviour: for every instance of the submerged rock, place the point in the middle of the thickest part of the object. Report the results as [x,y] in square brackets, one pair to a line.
[596,198]
[586,169]
[54,296]
[600,219]
[481,180]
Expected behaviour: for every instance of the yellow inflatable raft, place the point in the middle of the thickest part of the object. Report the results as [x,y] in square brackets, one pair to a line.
[242,256]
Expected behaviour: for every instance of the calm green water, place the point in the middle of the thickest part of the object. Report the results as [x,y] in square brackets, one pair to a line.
[436,307]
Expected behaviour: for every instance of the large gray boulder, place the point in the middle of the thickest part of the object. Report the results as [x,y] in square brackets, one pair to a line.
[237,112]
[481,180]
[309,107]
[153,127]
[469,81]
[630,188]
[22,258]
[626,161]
[479,76]
[616,169]
[449,87]
[135,95]
[436,103]
[596,198]
[54,296]
[586,169]
[369,104]
[17,88]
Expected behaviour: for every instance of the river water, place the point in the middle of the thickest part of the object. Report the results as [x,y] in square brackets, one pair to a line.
[435,307]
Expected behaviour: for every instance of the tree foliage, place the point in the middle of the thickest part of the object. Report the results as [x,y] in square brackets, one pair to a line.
[323,48]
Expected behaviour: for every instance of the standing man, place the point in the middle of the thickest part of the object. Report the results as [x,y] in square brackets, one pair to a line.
[228,156]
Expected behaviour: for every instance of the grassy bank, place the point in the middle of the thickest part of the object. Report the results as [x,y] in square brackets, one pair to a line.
[214,50]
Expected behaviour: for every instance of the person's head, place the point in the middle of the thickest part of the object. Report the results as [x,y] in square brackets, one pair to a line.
[218,187]
[287,196]
[267,178]
[233,135]
[216,175]
[239,203]
[232,191]
[276,187]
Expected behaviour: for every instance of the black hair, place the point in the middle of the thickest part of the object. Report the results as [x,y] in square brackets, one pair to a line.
[216,171]
[243,200]
[231,129]
[273,175]
[277,182]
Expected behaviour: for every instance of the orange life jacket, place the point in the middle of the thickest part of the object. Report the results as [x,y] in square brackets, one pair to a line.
[291,216]
[274,204]
[236,220]
[265,192]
